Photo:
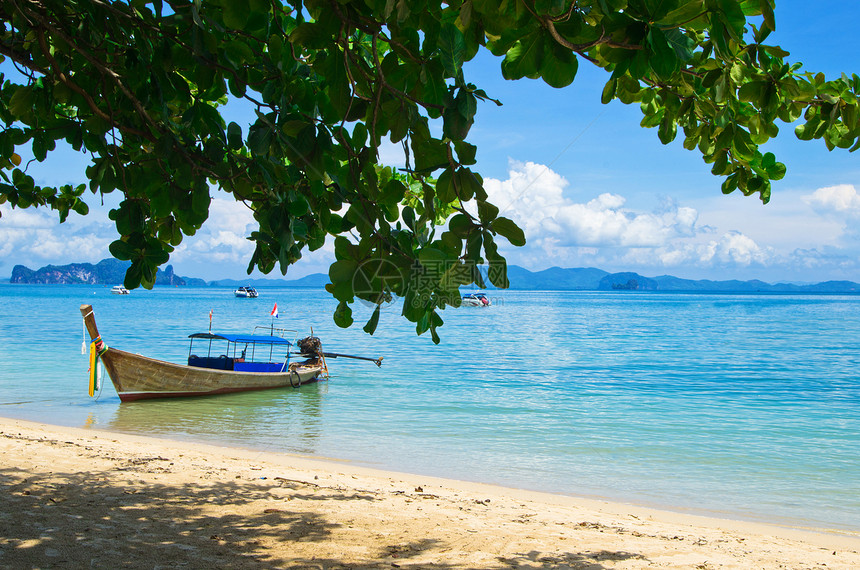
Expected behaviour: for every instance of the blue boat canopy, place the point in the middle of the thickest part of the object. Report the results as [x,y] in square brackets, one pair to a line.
[244,338]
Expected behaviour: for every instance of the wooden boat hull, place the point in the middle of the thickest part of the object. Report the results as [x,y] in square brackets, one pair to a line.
[137,377]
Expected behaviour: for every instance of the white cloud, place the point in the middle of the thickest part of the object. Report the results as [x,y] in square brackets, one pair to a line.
[48,246]
[534,197]
[34,237]
[29,219]
[801,237]
[230,215]
[732,249]
[223,238]
[605,232]
[221,248]
[736,248]
[840,199]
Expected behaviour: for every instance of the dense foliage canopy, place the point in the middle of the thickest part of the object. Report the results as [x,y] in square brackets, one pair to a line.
[140,86]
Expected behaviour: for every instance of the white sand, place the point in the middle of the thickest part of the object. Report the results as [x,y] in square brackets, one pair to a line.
[76,498]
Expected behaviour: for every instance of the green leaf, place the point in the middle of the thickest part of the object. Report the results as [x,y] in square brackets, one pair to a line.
[460,225]
[200,201]
[776,51]
[435,88]
[342,270]
[487,212]
[310,35]
[343,315]
[680,43]
[455,125]
[234,136]
[465,152]
[372,323]
[337,82]
[777,171]
[525,58]
[767,14]
[719,35]
[121,250]
[393,192]
[742,145]
[430,256]
[508,229]
[466,103]
[468,185]
[451,244]
[559,66]
[21,102]
[668,129]
[734,18]
[430,154]
[663,59]
[452,45]
[236,13]
[260,138]
[445,190]
[609,91]
[752,92]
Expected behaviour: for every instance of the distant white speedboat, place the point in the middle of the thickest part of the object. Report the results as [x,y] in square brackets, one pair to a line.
[119,290]
[475,300]
[246,292]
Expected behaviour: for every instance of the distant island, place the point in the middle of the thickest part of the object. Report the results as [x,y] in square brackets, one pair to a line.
[592,279]
[105,272]
[112,271]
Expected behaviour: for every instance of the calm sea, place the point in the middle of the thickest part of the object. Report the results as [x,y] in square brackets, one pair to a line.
[740,406]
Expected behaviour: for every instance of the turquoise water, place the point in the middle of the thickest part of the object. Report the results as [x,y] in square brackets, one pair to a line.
[741,406]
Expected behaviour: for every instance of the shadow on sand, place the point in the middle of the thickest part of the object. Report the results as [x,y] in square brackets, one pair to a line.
[112,519]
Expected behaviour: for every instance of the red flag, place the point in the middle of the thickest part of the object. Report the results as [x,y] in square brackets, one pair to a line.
[275,311]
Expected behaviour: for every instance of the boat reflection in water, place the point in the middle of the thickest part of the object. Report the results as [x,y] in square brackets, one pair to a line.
[284,420]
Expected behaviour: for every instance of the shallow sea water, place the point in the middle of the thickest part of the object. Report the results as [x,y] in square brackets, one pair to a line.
[740,406]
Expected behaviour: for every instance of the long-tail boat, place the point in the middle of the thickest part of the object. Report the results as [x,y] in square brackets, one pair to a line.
[248,362]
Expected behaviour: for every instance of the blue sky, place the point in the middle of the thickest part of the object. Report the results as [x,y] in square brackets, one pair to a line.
[590,187]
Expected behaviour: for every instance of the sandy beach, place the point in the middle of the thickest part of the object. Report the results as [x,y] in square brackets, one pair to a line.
[76,498]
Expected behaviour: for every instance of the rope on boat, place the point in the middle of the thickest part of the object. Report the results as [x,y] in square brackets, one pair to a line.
[97,349]
[298,379]
[101,379]
[84,334]
[324,364]
[96,370]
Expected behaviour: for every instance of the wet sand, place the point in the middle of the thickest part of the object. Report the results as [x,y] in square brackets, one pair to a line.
[90,498]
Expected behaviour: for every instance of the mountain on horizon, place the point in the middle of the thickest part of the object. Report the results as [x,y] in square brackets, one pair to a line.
[106,272]
[112,271]
[312,280]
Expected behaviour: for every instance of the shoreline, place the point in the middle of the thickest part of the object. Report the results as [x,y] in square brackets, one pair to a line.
[80,496]
[795,524]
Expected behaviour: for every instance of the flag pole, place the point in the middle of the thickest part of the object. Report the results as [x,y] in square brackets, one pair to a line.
[274,314]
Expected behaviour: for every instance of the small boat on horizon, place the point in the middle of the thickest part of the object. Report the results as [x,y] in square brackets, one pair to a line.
[119,290]
[230,363]
[246,292]
[475,300]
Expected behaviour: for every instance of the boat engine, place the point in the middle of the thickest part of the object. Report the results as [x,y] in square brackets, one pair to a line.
[310,345]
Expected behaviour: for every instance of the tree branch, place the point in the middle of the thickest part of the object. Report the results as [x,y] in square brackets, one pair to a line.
[86,96]
[102,68]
